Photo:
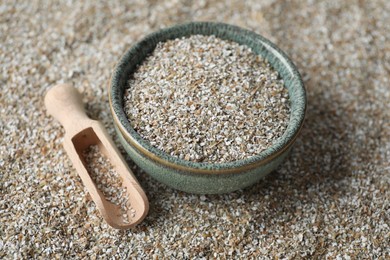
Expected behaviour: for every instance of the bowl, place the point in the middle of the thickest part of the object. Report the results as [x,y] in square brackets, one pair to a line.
[203,177]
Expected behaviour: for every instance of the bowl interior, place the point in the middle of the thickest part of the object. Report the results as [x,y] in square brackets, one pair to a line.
[261,46]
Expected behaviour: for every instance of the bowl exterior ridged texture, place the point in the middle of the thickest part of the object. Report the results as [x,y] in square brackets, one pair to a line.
[200,183]
[196,177]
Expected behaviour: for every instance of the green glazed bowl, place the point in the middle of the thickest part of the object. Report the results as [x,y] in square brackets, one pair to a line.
[195,177]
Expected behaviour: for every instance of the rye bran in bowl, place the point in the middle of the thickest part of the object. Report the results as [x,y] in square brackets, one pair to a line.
[207,107]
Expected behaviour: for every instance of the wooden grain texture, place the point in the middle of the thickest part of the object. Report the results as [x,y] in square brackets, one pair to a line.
[64,103]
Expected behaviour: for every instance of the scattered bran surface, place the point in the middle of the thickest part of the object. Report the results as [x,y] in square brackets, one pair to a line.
[330,199]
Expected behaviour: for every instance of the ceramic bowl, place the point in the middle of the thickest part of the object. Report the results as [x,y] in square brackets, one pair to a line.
[196,177]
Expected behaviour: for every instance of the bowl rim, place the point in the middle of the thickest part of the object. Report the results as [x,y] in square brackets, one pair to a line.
[280,145]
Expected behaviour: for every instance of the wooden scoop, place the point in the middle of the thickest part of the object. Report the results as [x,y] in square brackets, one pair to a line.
[64,103]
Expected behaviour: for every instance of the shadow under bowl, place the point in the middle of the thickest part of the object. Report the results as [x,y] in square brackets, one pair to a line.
[200,177]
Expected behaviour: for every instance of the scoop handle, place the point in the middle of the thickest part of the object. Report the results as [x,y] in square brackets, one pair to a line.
[64,103]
